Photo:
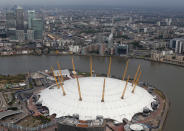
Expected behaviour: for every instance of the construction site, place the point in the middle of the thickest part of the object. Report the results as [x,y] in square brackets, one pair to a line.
[74,101]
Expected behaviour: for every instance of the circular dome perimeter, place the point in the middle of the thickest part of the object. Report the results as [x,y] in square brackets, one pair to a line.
[91,106]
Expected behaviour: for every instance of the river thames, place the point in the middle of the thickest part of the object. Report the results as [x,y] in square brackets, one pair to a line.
[168,78]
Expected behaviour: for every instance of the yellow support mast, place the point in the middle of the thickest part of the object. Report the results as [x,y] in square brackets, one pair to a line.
[52,69]
[135,77]
[136,82]
[75,75]
[61,85]
[125,71]
[73,64]
[103,93]
[109,70]
[80,96]
[91,66]
[59,68]
[123,94]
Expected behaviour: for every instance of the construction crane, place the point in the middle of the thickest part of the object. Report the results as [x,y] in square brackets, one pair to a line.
[51,37]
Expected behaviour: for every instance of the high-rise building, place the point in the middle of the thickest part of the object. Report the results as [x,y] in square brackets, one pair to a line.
[110,40]
[20,18]
[168,21]
[37,26]
[11,32]
[102,49]
[10,19]
[177,45]
[121,49]
[31,16]
[30,35]
[3,29]
[20,35]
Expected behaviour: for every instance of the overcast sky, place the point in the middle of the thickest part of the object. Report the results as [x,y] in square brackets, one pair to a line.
[165,3]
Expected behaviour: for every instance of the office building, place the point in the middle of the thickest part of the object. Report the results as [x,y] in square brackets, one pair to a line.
[110,40]
[30,35]
[10,19]
[19,18]
[31,16]
[20,35]
[121,49]
[177,45]
[11,33]
[37,26]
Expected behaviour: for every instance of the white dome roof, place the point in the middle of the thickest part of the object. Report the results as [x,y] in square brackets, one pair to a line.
[91,106]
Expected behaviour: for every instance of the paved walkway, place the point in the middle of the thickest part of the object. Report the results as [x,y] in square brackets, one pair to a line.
[3,104]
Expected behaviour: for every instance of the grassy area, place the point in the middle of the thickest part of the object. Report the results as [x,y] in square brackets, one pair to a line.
[160,93]
[7,79]
[30,86]
[85,74]
[43,119]
[101,75]
[13,100]
[6,97]
[34,121]
[2,90]
[8,100]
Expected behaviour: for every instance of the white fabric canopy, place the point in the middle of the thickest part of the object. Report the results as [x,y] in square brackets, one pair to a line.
[91,89]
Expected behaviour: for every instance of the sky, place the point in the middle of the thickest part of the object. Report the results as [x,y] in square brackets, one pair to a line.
[156,3]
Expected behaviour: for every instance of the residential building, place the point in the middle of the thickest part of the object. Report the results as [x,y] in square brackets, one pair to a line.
[177,45]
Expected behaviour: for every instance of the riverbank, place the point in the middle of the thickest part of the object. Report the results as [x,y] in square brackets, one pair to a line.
[134,57]
[12,81]
[165,111]
[164,62]
[166,77]
[95,55]
[160,112]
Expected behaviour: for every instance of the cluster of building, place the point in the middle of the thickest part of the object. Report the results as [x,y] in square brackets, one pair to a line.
[21,31]
[118,32]
[47,96]
[172,56]
[21,26]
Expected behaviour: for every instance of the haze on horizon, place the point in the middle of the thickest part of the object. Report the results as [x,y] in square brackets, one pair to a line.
[145,3]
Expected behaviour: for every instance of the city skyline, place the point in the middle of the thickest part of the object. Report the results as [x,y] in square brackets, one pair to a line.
[97,46]
[142,3]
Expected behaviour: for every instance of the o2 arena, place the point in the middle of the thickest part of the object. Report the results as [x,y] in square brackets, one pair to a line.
[98,102]
[91,105]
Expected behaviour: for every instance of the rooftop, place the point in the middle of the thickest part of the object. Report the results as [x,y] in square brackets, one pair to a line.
[91,106]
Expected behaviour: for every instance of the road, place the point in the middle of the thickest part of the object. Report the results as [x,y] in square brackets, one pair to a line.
[3,104]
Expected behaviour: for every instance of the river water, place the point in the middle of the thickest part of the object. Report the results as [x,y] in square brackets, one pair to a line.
[168,78]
